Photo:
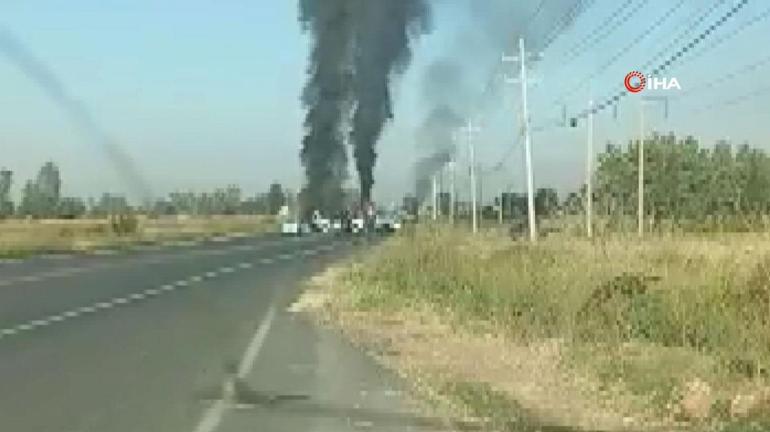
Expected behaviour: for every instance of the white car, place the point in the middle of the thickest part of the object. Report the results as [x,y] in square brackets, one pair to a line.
[387,223]
[336,225]
[291,228]
[323,225]
[357,225]
[295,228]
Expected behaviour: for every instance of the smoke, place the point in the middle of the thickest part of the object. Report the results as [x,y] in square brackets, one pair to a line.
[38,72]
[359,47]
[444,90]
[327,98]
[466,80]
[382,50]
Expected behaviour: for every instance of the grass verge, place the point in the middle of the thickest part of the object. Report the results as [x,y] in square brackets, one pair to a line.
[612,334]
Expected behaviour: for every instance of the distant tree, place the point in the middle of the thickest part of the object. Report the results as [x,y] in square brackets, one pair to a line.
[40,198]
[110,204]
[232,200]
[275,198]
[30,200]
[6,204]
[685,183]
[163,207]
[574,203]
[546,202]
[71,208]
[48,188]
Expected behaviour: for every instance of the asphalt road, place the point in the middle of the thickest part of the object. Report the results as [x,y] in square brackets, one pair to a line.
[192,338]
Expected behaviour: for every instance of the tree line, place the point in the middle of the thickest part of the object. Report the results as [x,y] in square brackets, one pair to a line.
[685,185]
[41,198]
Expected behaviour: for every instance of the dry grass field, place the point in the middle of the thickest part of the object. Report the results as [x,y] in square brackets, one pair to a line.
[23,237]
[666,333]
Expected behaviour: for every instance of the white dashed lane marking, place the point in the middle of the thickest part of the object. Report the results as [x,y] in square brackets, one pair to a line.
[30,278]
[111,303]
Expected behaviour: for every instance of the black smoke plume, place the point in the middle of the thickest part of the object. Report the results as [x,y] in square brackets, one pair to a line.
[382,50]
[359,46]
[327,98]
[38,72]
[467,81]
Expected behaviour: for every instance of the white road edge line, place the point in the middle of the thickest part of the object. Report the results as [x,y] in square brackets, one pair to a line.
[213,416]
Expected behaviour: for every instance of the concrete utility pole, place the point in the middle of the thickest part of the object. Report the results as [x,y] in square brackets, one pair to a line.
[640,189]
[469,130]
[452,191]
[522,59]
[527,144]
[589,171]
[642,132]
[435,198]
[500,209]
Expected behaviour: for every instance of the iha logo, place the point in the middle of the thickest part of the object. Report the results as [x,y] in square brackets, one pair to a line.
[635,82]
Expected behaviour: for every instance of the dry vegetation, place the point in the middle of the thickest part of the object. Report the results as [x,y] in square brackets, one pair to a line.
[23,237]
[611,334]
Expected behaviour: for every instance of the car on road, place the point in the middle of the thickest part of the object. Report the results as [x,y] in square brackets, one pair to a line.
[387,223]
[357,225]
[322,225]
[294,228]
[337,226]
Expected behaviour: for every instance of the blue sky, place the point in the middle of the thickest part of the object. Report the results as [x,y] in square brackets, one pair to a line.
[206,93]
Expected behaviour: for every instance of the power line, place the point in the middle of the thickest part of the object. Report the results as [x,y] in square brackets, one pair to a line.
[566,20]
[732,101]
[685,33]
[576,85]
[757,19]
[533,17]
[699,88]
[668,46]
[596,30]
[630,12]
[671,59]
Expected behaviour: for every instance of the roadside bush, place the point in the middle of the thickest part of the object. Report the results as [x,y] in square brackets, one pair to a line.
[124,224]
